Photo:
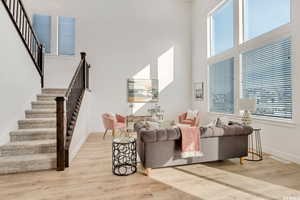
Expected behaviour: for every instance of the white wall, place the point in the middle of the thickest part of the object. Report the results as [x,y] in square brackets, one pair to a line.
[121,38]
[279,137]
[81,131]
[19,79]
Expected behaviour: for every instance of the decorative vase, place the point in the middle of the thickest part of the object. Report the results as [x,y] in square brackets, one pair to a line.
[246,119]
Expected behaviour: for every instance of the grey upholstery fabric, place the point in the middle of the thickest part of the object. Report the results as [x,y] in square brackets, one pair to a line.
[225,130]
[157,135]
[160,135]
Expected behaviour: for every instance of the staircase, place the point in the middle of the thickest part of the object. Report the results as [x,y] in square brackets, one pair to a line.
[43,139]
[33,146]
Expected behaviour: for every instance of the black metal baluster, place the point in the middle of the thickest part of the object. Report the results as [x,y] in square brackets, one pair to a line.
[26,32]
[17,12]
[24,28]
[23,31]
[14,5]
[20,19]
[10,5]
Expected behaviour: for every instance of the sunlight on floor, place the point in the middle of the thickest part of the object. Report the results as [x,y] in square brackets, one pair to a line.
[211,183]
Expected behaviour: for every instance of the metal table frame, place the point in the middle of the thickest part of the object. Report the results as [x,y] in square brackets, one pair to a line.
[254,140]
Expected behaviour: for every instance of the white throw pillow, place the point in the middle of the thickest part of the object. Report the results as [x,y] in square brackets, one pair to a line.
[191,114]
[113,116]
[212,123]
[224,120]
[153,125]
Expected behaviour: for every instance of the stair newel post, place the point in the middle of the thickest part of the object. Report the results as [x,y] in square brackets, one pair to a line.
[83,58]
[60,132]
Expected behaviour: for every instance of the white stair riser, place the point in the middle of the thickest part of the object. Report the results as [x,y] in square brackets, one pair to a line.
[26,150]
[27,166]
[32,125]
[33,136]
[46,98]
[54,91]
[43,106]
[39,115]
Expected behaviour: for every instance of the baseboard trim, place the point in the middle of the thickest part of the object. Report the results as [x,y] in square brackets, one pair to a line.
[283,155]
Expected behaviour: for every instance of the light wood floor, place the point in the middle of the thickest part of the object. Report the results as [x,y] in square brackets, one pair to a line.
[90,177]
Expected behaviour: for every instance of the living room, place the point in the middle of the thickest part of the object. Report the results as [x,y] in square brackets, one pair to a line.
[209,62]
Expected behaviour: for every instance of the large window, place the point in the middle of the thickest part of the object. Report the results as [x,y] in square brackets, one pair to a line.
[261,16]
[266,76]
[260,67]
[66,36]
[221,79]
[222,29]
[42,27]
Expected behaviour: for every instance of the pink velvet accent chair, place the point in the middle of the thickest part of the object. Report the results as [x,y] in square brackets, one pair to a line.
[192,122]
[113,123]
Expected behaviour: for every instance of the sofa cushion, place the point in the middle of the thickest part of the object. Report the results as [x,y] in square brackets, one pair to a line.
[225,130]
[160,135]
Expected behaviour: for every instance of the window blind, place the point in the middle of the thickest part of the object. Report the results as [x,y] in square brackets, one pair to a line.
[66,36]
[42,26]
[221,86]
[267,77]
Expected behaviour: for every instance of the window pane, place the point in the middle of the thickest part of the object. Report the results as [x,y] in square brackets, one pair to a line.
[267,77]
[222,29]
[66,36]
[261,16]
[221,79]
[42,27]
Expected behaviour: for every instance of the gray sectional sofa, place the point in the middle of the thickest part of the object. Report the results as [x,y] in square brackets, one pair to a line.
[161,147]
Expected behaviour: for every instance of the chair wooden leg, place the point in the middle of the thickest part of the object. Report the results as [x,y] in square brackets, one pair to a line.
[113,133]
[105,134]
[121,131]
[242,160]
[124,132]
[148,171]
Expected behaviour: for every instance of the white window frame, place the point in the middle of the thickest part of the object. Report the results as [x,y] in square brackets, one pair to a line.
[241,46]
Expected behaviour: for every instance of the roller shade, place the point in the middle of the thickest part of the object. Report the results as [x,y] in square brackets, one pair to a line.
[66,36]
[42,27]
[221,87]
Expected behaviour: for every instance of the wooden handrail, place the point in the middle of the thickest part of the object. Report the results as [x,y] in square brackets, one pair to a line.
[67,112]
[22,23]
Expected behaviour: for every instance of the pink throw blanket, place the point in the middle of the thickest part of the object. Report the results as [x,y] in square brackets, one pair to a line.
[190,142]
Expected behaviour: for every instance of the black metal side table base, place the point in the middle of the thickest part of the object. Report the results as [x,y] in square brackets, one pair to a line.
[254,140]
[124,169]
[254,157]
[124,157]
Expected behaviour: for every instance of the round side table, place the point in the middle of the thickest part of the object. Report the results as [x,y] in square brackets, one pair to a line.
[255,152]
[124,157]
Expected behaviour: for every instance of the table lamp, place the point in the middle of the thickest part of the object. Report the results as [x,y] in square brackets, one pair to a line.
[248,106]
